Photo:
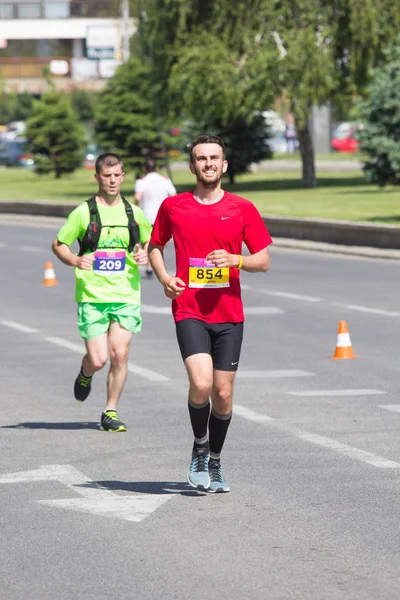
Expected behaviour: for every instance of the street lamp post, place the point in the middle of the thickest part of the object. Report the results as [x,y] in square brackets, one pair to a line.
[125,30]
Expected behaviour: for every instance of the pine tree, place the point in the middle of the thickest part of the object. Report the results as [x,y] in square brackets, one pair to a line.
[54,135]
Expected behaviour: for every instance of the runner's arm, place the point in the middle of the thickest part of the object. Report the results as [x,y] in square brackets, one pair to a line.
[259,262]
[173,286]
[255,263]
[63,253]
[138,198]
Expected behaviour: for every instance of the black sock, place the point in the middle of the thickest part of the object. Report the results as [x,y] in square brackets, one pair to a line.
[199,415]
[218,427]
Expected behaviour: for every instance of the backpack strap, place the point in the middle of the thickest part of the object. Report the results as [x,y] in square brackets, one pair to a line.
[92,234]
[133,227]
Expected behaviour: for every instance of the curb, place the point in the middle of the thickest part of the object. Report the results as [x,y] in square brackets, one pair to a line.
[344,237]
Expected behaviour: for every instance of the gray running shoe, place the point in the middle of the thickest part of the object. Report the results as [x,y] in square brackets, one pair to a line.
[217,481]
[110,421]
[198,476]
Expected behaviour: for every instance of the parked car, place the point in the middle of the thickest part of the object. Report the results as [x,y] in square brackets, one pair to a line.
[345,137]
[13,154]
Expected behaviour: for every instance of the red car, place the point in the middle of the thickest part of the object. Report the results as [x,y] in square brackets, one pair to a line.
[345,136]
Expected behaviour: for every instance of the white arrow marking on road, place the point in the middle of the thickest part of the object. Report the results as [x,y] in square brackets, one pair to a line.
[96,499]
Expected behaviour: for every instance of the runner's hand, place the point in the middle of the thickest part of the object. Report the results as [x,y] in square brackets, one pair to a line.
[85,262]
[140,255]
[222,258]
[173,287]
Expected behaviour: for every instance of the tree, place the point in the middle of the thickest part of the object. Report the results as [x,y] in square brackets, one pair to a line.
[83,104]
[311,52]
[54,135]
[125,115]
[380,137]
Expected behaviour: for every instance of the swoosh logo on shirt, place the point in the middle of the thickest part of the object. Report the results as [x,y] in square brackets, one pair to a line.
[223,218]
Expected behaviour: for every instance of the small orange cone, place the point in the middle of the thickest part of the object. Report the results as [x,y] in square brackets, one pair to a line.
[344,348]
[49,275]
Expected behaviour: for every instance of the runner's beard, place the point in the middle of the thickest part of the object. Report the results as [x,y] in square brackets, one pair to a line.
[207,183]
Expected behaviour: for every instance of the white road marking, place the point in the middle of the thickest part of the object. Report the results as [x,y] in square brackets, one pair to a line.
[281,374]
[155,310]
[366,457]
[282,294]
[317,393]
[96,499]
[391,407]
[19,327]
[319,440]
[250,415]
[132,368]
[33,249]
[374,311]
[262,310]
[292,296]
[80,348]
[146,373]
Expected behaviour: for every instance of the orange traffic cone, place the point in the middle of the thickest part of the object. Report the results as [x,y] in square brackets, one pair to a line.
[344,348]
[49,275]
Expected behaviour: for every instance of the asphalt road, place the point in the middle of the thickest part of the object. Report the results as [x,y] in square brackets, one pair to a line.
[312,455]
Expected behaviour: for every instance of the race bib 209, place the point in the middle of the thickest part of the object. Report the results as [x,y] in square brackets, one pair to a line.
[109,262]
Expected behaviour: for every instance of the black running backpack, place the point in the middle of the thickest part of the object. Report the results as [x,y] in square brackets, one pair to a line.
[90,240]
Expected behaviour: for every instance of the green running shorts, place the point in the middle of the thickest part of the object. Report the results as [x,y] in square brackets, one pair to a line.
[94,318]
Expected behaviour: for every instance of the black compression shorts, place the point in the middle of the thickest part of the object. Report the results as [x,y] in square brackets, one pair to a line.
[223,341]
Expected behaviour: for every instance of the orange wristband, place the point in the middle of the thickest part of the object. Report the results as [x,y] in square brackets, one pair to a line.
[240,261]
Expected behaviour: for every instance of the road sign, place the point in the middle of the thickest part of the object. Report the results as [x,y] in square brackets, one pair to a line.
[100,53]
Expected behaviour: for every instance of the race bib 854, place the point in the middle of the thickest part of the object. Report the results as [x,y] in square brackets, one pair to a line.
[204,274]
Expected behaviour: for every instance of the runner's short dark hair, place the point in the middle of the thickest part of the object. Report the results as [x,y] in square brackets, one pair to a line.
[207,139]
[150,165]
[109,159]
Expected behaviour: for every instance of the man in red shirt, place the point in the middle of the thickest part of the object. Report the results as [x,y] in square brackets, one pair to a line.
[208,227]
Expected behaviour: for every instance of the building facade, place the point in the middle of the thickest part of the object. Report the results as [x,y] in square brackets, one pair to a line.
[77,43]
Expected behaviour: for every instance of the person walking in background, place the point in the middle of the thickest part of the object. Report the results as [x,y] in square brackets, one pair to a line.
[110,232]
[208,227]
[290,134]
[150,191]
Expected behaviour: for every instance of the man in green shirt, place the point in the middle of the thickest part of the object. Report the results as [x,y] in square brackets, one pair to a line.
[107,280]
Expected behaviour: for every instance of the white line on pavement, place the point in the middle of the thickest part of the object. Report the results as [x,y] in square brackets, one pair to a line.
[156,310]
[374,311]
[19,327]
[319,440]
[292,296]
[146,373]
[282,294]
[246,413]
[262,310]
[33,249]
[391,407]
[366,457]
[283,373]
[318,393]
[141,371]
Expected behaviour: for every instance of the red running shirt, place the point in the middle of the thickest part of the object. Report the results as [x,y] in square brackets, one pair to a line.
[198,229]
